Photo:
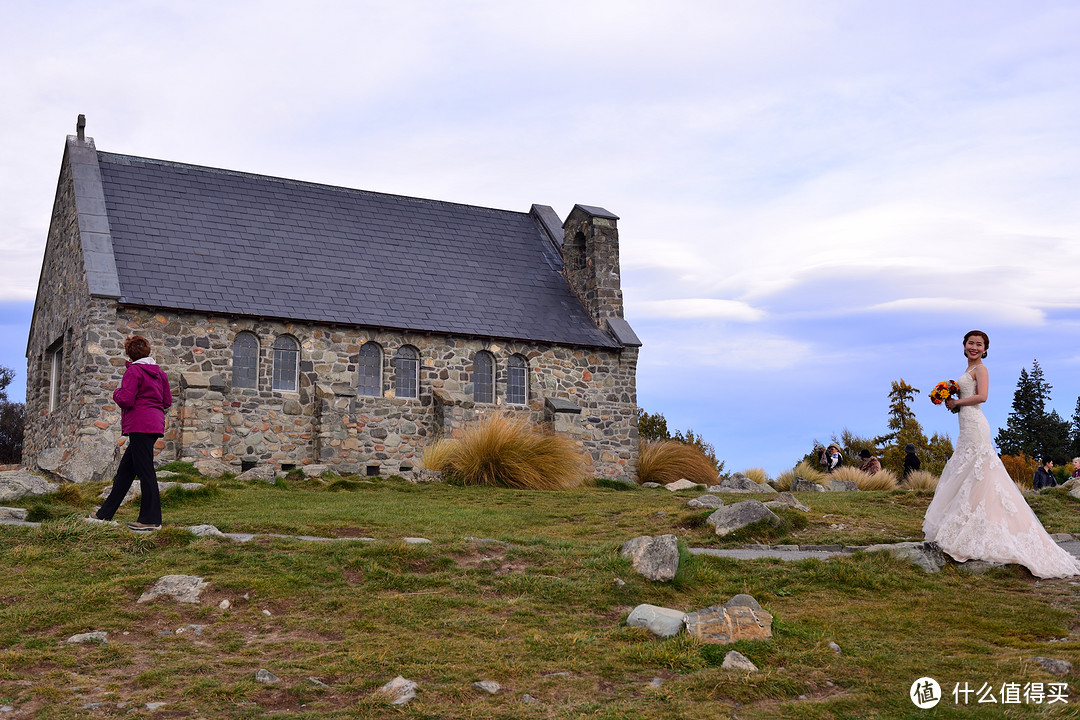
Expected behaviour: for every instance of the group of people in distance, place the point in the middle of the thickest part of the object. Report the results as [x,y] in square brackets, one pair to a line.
[831,458]
[1044,474]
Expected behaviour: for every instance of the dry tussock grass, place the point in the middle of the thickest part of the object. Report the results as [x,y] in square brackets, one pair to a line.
[503,452]
[853,474]
[757,474]
[920,480]
[804,470]
[882,480]
[666,461]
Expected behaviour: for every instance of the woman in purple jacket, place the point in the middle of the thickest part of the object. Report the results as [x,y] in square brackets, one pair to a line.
[143,397]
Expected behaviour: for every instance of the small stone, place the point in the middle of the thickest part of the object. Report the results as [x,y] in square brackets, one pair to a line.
[735,660]
[317,682]
[705,501]
[528,699]
[91,637]
[205,531]
[660,621]
[225,604]
[834,647]
[151,706]
[182,588]
[265,676]
[489,686]
[416,540]
[743,600]
[655,558]
[683,484]
[618,582]
[267,613]
[656,682]
[1054,666]
[399,690]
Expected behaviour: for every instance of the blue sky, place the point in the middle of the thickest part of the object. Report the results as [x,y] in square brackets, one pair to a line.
[816,198]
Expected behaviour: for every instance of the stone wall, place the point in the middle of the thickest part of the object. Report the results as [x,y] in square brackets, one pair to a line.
[78,438]
[325,421]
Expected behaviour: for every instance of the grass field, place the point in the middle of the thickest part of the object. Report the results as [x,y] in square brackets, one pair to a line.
[534,606]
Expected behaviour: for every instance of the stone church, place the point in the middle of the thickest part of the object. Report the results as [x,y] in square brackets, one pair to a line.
[308,324]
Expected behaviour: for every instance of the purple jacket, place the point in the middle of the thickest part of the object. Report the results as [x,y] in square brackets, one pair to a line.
[143,397]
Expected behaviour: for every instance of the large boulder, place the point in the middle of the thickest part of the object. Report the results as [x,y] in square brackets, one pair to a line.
[705,501]
[724,626]
[739,483]
[17,484]
[803,485]
[927,556]
[655,558]
[93,460]
[728,519]
[788,501]
[263,473]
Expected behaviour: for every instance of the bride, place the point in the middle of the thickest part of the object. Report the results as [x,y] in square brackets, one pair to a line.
[977,511]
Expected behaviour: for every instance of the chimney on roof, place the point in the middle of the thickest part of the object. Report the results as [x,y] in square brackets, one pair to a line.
[591,261]
[80,127]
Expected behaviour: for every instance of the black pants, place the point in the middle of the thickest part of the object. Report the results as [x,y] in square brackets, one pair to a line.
[138,460]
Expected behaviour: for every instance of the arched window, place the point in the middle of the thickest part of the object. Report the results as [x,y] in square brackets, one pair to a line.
[517,380]
[286,364]
[406,372]
[483,377]
[245,361]
[369,370]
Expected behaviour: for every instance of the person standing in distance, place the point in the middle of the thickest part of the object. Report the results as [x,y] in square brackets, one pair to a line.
[143,397]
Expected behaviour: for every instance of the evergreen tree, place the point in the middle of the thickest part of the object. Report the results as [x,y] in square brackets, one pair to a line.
[12,421]
[1074,434]
[1029,429]
[905,428]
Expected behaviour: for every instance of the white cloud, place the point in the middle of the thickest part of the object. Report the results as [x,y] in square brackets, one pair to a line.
[688,308]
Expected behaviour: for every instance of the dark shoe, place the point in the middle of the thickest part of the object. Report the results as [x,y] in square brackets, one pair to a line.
[142,527]
[94,516]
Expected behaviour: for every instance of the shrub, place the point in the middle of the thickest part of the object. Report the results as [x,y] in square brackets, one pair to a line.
[853,474]
[758,475]
[669,460]
[1021,468]
[805,470]
[502,452]
[920,480]
[882,480]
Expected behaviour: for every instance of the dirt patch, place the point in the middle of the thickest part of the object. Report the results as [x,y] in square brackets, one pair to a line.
[492,557]
[351,532]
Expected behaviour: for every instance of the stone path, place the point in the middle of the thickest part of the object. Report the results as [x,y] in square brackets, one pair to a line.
[823,552]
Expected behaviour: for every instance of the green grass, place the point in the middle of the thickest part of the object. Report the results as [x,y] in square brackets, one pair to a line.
[535,608]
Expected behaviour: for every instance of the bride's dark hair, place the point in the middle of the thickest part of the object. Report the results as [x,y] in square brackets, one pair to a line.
[980,333]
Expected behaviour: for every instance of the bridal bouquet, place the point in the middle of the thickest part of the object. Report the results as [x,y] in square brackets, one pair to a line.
[943,391]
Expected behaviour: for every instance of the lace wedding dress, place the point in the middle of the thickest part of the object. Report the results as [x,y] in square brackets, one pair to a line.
[978,512]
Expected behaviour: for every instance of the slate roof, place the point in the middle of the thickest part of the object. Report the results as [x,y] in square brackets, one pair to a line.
[194,238]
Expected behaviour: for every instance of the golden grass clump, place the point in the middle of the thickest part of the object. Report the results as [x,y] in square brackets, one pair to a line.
[756,474]
[847,472]
[920,480]
[503,452]
[881,480]
[805,470]
[665,461]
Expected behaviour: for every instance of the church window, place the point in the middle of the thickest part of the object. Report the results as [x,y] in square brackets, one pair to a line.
[245,361]
[286,364]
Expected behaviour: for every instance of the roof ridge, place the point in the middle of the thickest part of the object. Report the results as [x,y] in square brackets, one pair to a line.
[128,159]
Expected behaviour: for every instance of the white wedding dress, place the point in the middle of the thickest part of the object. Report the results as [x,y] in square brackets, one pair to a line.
[979,513]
